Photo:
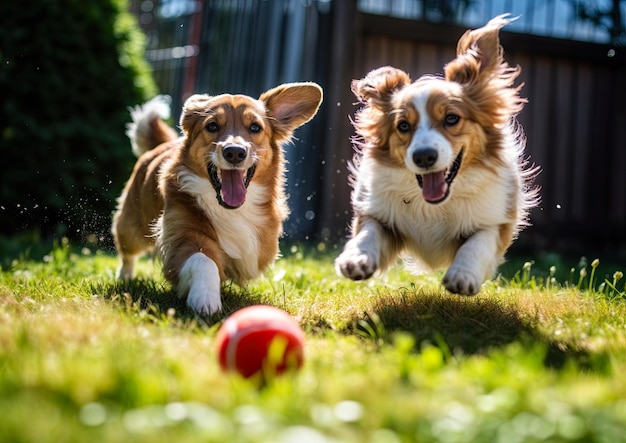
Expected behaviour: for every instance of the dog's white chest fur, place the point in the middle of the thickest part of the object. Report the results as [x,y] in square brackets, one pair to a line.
[432,232]
[237,229]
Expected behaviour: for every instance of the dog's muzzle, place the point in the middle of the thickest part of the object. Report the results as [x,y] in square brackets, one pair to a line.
[231,184]
[436,185]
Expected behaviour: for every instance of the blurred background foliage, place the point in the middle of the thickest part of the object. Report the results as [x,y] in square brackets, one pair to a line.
[68,71]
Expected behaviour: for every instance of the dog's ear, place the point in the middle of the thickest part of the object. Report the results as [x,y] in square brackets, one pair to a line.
[291,105]
[193,109]
[484,74]
[479,54]
[379,84]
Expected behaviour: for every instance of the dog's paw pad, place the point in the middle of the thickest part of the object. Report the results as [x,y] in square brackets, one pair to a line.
[462,281]
[356,265]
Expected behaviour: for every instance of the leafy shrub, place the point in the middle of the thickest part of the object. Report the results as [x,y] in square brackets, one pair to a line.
[68,71]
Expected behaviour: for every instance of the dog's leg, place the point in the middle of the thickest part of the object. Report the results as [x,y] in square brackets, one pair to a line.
[475,261]
[370,249]
[126,269]
[200,280]
[131,241]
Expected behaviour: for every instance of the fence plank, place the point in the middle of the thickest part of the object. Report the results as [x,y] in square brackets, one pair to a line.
[617,165]
[561,149]
[581,144]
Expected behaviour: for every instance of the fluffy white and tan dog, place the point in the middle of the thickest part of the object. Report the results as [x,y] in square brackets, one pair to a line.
[439,174]
[213,200]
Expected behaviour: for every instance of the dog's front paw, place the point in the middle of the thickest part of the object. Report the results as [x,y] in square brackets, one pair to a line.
[462,280]
[204,301]
[200,282]
[356,264]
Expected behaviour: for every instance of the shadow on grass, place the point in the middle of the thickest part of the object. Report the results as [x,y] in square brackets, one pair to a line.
[157,298]
[466,325]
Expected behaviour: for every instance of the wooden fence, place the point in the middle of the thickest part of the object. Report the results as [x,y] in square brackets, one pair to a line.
[575,120]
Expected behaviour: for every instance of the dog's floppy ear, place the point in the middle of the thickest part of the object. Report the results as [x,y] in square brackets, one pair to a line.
[193,109]
[379,84]
[291,105]
[479,54]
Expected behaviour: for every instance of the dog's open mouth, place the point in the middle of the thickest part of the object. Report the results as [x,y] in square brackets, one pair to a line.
[231,185]
[436,185]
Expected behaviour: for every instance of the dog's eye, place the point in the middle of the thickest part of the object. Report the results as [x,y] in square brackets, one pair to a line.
[452,119]
[403,126]
[212,127]
[255,128]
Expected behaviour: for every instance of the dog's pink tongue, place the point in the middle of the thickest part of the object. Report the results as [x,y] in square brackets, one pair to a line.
[233,187]
[434,186]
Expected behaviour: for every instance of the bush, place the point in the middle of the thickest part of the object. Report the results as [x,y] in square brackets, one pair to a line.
[68,71]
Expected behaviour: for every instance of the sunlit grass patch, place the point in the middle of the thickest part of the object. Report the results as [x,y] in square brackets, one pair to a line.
[537,356]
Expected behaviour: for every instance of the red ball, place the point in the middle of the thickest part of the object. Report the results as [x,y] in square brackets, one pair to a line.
[260,340]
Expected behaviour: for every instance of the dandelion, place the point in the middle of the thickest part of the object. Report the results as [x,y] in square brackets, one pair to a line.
[551,279]
[617,276]
[581,277]
[594,265]
[526,272]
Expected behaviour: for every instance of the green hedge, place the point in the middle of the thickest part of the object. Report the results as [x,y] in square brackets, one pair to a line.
[68,71]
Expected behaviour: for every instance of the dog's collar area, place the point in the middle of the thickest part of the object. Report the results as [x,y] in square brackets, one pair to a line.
[454,169]
[214,177]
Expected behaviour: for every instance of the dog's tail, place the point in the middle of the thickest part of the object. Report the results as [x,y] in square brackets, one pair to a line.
[147,129]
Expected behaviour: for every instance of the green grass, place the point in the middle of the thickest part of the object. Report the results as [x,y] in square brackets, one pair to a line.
[534,357]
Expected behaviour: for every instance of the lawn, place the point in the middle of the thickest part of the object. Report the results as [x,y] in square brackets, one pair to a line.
[538,355]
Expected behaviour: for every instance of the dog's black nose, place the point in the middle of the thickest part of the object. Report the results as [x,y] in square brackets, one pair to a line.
[234,154]
[425,157]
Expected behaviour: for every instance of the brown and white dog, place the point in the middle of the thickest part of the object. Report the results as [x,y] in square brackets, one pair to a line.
[440,177]
[212,201]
